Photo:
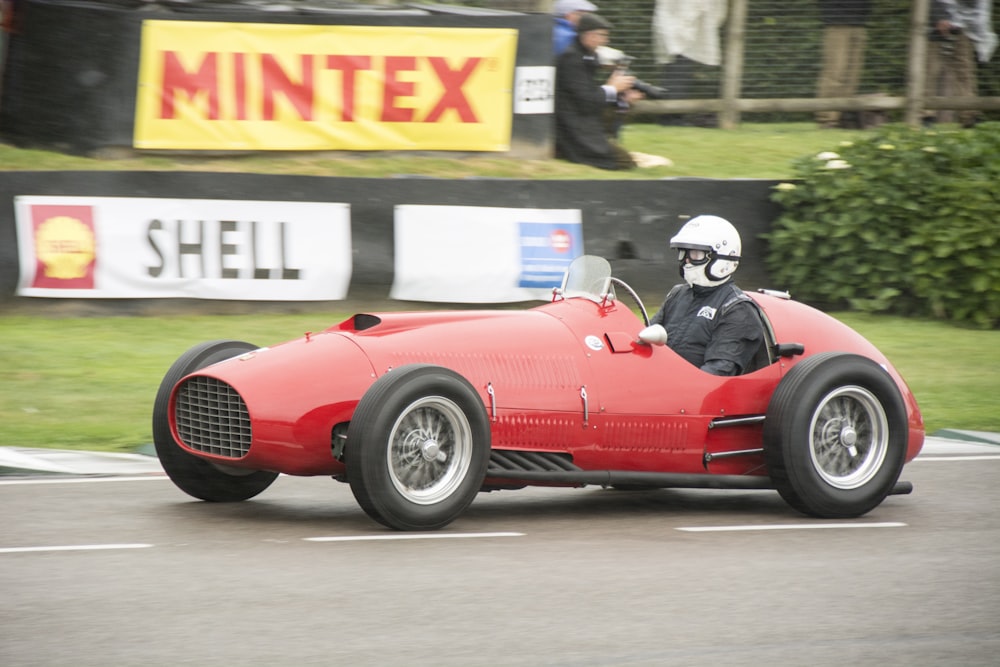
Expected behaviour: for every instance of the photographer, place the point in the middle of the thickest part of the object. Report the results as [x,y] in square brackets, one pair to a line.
[960,32]
[581,102]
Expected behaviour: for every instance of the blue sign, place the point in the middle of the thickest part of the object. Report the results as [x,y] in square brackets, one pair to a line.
[547,248]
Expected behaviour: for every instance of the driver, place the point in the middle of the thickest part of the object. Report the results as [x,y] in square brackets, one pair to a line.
[709,320]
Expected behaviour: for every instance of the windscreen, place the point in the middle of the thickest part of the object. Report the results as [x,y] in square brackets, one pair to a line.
[588,276]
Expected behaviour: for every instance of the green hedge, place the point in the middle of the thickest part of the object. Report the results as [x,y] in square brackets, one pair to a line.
[907,222]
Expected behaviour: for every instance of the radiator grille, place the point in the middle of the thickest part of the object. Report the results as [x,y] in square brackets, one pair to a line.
[212,418]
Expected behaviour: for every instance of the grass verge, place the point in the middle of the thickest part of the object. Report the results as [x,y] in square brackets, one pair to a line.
[754,150]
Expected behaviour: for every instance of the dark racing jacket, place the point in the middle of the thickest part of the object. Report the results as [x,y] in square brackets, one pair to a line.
[717,329]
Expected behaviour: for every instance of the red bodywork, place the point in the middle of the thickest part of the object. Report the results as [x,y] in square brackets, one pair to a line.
[565,377]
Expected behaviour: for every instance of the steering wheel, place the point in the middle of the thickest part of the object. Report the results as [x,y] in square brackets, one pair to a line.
[635,297]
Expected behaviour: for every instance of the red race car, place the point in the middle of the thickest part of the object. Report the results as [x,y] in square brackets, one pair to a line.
[419,412]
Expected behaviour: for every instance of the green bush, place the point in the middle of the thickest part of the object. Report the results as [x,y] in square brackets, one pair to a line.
[907,222]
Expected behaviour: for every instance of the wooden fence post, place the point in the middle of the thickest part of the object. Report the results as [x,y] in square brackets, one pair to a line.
[916,75]
[732,72]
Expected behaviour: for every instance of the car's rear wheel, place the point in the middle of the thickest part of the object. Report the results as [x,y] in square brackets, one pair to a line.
[835,435]
[195,476]
[417,448]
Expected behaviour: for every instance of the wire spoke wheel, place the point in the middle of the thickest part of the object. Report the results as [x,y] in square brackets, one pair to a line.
[835,436]
[850,437]
[417,447]
[429,450]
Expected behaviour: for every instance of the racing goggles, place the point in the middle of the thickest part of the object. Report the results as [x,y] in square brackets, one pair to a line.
[693,255]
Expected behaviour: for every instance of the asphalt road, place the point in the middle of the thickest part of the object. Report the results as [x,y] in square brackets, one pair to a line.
[130,571]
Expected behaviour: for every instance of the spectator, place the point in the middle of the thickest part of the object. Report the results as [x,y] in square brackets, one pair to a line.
[845,34]
[710,322]
[960,33]
[581,133]
[568,13]
[685,38]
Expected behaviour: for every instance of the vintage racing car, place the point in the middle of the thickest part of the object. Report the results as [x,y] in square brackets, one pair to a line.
[420,411]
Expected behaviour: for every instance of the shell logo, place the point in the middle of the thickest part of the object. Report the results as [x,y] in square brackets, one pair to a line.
[65,247]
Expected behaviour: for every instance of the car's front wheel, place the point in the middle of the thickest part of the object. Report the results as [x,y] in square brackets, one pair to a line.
[417,448]
[195,476]
[835,435]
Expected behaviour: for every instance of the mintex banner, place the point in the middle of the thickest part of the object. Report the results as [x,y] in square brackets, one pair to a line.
[472,254]
[259,86]
[111,247]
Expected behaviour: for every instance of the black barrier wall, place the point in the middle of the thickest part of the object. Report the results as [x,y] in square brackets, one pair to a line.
[629,222]
[71,76]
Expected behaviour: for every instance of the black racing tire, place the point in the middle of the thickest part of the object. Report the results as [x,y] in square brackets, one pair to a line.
[195,476]
[417,447]
[835,435]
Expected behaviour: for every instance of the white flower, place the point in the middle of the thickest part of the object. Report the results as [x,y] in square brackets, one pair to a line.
[827,155]
[886,147]
[929,149]
[785,186]
[846,144]
[838,164]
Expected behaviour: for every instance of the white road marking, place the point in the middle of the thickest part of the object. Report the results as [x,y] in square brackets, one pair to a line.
[73,547]
[987,457]
[79,480]
[408,536]
[787,526]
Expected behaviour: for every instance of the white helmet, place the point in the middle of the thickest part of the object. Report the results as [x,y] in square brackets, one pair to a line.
[719,241]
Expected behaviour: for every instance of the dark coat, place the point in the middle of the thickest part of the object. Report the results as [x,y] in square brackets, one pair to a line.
[580,105]
[715,328]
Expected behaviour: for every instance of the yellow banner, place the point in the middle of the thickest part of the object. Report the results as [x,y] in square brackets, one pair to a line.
[257,86]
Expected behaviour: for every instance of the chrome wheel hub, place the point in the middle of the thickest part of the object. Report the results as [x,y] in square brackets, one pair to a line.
[430,450]
[849,437]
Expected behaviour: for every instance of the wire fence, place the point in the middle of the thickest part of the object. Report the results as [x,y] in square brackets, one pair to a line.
[782,51]
[779,55]
[782,54]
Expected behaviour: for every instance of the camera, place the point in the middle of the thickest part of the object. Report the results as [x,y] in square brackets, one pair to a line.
[613,58]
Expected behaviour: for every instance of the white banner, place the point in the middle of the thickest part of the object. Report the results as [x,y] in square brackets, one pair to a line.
[470,254]
[116,247]
[534,90]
